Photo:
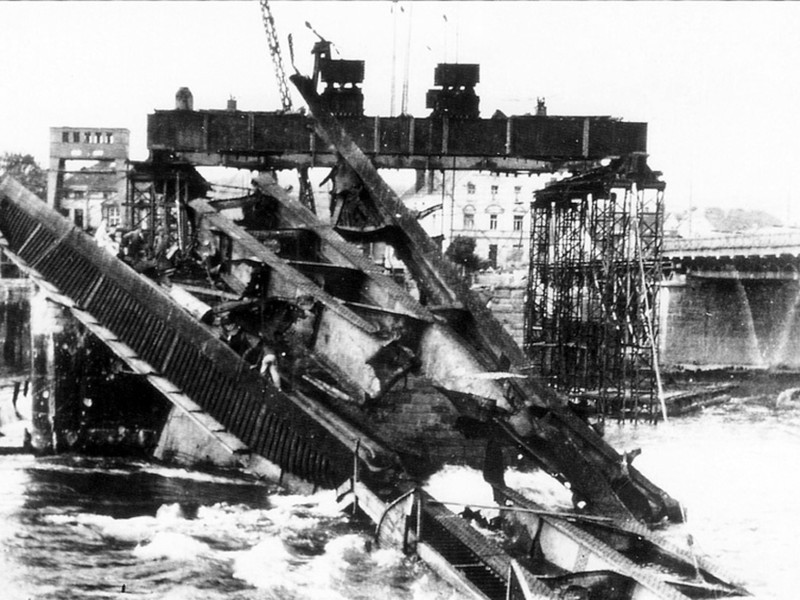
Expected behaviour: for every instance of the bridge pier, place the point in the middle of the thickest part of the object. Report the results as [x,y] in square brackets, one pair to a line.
[82,395]
[48,321]
[14,332]
[729,321]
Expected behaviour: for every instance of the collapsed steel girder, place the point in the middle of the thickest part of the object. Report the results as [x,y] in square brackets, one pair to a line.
[538,423]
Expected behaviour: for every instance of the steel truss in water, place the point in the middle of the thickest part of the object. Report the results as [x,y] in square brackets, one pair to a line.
[595,268]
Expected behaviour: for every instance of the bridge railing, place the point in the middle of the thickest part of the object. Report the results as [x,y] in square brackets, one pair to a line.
[770,243]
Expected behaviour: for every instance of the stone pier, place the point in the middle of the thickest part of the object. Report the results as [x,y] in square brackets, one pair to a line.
[504,294]
[729,322]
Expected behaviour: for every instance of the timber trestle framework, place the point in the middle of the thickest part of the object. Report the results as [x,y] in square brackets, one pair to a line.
[595,268]
[175,346]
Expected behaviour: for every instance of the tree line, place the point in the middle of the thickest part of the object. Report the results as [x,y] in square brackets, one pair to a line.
[25,169]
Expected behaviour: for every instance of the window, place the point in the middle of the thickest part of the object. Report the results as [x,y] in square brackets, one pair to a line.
[517,191]
[470,188]
[469,217]
[97,137]
[77,217]
[76,136]
[87,137]
[493,255]
[494,190]
[109,137]
[112,216]
[518,222]
[492,221]
[65,136]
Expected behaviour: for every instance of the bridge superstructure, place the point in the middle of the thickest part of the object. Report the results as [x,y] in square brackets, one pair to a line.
[448,139]
[524,143]
[781,245]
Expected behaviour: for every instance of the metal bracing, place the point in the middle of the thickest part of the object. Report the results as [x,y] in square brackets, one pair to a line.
[156,205]
[538,339]
[595,268]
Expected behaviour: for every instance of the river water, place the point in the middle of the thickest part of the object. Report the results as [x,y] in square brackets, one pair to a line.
[74,528]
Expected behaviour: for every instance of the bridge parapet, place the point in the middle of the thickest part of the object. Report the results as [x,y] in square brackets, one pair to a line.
[754,245]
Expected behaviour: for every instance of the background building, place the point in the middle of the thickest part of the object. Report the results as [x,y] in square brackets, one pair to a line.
[493,209]
[87,176]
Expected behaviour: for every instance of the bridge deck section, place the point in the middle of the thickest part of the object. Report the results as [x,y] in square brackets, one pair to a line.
[734,245]
[168,343]
[274,140]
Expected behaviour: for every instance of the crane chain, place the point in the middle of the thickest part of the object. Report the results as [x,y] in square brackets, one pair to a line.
[275,52]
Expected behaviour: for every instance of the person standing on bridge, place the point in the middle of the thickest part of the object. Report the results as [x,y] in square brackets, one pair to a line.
[268,363]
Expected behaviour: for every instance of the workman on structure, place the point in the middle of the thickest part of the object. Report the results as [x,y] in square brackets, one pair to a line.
[269,364]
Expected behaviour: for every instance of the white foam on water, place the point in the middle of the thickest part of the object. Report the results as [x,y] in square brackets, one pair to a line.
[346,569]
[295,514]
[541,488]
[64,465]
[321,504]
[428,586]
[171,545]
[462,486]
[198,476]
[134,529]
[346,565]
[272,565]
[341,553]
[267,565]
[169,513]
[234,525]
[388,558]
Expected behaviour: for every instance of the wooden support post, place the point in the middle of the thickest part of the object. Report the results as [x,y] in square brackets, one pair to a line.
[418,498]
[355,475]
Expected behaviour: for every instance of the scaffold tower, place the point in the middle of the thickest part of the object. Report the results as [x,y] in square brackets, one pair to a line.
[590,325]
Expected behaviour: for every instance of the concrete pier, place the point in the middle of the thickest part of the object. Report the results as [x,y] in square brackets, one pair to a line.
[47,327]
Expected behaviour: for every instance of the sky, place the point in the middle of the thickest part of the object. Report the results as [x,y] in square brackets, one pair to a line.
[717,82]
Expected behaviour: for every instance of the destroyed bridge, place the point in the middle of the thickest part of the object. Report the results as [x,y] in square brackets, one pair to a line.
[253,334]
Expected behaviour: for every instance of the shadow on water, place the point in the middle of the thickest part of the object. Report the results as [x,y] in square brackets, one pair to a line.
[125,489]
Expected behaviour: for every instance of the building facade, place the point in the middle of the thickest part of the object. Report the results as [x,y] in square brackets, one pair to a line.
[491,208]
[87,176]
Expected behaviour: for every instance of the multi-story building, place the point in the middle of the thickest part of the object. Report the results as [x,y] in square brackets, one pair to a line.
[87,177]
[493,209]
